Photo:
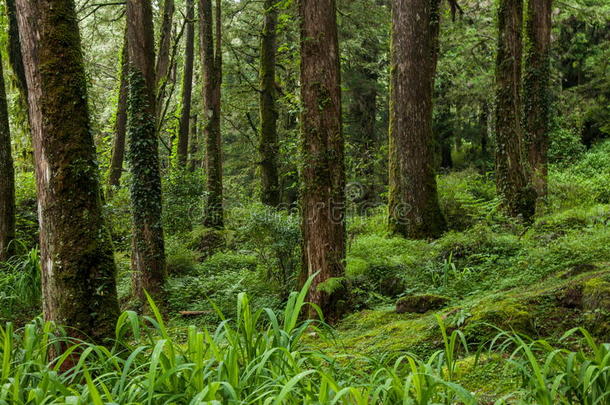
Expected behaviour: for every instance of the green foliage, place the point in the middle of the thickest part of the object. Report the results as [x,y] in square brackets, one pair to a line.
[275,237]
[565,146]
[182,200]
[20,285]
[179,258]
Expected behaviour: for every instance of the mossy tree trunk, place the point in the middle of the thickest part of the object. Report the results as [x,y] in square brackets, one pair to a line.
[414,210]
[268,142]
[148,257]
[78,270]
[120,125]
[511,164]
[211,62]
[323,171]
[187,84]
[536,85]
[7,179]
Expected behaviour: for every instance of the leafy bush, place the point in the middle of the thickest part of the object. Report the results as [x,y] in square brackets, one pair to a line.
[565,146]
[467,198]
[275,237]
[20,285]
[183,192]
[179,258]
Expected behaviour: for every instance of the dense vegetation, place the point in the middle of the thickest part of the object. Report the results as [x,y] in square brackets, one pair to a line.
[461,254]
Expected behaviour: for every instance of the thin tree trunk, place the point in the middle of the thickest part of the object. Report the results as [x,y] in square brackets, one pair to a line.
[211,61]
[268,143]
[165,39]
[194,161]
[78,270]
[414,210]
[7,179]
[323,172]
[536,87]
[511,178]
[120,126]
[187,84]
[148,257]
[14,49]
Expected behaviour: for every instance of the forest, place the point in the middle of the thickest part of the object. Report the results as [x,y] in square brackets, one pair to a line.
[305,202]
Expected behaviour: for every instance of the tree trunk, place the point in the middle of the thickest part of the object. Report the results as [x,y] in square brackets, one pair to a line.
[165,39]
[7,179]
[268,143]
[414,210]
[511,177]
[120,125]
[211,61]
[14,48]
[536,87]
[323,171]
[187,85]
[78,270]
[148,257]
[194,161]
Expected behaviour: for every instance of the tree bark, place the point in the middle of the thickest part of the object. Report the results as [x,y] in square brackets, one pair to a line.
[414,210]
[511,175]
[120,125]
[148,257]
[15,55]
[7,179]
[187,85]
[268,143]
[78,270]
[536,85]
[165,39]
[323,171]
[211,61]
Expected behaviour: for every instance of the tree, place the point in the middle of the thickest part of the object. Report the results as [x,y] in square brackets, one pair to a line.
[14,48]
[268,142]
[187,84]
[78,270]
[120,125]
[323,171]
[536,90]
[7,179]
[511,178]
[162,67]
[414,210]
[211,61]
[148,257]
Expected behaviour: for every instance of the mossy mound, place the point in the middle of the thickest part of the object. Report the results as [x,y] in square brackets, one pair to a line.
[420,303]
[208,241]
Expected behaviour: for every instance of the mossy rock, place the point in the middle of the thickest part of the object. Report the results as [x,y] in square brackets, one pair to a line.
[420,303]
[208,241]
[596,305]
[489,315]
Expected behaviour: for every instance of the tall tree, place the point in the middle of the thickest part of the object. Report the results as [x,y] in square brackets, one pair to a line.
[414,210]
[211,62]
[511,178]
[14,48]
[7,179]
[165,39]
[536,86]
[323,172]
[120,125]
[78,270]
[268,142]
[148,256]
[187,84]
